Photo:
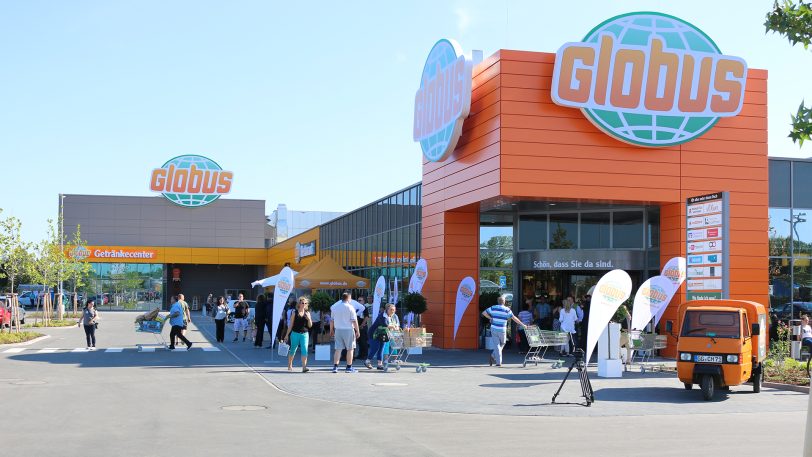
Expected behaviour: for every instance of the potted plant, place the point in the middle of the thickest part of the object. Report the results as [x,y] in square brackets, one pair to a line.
[415,302]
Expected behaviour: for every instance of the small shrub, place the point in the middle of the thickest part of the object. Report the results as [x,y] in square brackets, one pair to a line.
[9,338]
[415,302]
[320,301]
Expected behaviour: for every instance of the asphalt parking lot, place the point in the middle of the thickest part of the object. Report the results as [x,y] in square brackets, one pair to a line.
[121,401]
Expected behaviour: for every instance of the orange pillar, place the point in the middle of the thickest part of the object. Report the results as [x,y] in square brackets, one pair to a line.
[450,245]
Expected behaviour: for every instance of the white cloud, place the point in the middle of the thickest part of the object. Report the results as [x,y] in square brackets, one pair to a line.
[463,18]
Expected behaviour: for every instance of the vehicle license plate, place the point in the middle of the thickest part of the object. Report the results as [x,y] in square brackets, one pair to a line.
[708,358]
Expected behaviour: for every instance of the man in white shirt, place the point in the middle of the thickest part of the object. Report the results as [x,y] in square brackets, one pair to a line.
[344,330]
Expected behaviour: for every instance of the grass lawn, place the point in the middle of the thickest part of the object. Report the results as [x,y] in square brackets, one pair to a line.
[6,338]
[54,323]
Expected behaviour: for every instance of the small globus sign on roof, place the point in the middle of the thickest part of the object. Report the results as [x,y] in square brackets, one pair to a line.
[191,181]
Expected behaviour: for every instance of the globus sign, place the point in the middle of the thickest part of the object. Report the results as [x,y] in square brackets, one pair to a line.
[649,79]
[443,100]
[191,181]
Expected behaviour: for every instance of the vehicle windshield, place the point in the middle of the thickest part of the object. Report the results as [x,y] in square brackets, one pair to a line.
[716,324]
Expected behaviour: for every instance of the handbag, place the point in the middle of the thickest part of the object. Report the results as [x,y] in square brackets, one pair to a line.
[96,324]
[381,334]
[283,349]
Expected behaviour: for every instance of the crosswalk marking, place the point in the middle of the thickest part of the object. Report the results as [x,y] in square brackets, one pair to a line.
[112,350]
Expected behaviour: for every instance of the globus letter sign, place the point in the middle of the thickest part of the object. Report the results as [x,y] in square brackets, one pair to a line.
[649,79]
[191,180]
[443,100]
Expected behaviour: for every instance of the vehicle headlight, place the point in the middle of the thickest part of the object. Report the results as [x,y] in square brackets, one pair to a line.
[685,356]
[732,359]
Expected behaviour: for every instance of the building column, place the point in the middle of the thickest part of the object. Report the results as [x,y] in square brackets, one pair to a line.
[450,245]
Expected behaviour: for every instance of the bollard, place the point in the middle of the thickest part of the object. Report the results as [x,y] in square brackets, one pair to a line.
[795,340]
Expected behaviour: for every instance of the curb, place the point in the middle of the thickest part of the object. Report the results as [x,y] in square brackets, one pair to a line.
[794,388]
[26,343]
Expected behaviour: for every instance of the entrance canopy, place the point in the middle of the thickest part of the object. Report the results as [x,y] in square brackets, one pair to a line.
[327,274]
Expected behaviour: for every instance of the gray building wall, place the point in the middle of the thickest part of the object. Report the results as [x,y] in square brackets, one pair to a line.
[154,221]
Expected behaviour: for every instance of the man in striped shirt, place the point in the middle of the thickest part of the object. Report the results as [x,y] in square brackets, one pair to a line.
[499,314]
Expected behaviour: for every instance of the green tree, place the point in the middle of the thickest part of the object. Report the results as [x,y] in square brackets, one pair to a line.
[793,20]
[496,251]
[15,256]
[44,268]
[77,268]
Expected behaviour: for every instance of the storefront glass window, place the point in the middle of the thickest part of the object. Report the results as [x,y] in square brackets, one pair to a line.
[802,274]
[564,231]
[126,286]
[801,177]
[780,183]
[802,231]
[533,232]
[627,229]
[653,232]
[594,230]
[779,232]
[779,283]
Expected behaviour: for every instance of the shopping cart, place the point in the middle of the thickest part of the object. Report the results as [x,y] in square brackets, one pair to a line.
[399,345]
[642,346]
[154,327]
[539,342]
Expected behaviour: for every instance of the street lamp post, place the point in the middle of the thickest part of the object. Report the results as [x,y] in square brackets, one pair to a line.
[61,245]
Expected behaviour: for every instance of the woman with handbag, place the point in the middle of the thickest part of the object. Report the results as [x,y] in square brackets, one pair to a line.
[386,321]
[220,317]
[90,321]
[298,331]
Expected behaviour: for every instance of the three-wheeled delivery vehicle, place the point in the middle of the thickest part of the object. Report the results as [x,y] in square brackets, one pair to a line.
[722,343]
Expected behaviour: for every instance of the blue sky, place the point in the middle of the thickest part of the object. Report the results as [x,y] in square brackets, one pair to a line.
[309,103]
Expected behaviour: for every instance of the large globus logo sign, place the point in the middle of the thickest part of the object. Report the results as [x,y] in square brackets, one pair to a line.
[649,79]
[191,181]
[443,100]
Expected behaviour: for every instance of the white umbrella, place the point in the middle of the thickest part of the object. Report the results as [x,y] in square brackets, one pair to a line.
[269,281]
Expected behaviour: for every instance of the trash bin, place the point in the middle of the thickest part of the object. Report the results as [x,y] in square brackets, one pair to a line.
[795,340]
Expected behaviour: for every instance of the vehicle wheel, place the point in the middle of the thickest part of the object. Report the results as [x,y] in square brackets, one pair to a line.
[417,369]
[688,385]
[397,367]
[707,385]
[386,368]
[524,364]
[642,369]
[425,369]
[757,379]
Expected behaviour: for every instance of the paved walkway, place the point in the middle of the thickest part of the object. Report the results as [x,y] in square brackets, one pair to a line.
[460,381]
[199,402]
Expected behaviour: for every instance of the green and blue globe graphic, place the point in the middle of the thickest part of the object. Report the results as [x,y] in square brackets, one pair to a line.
[185,162]
[648,129]
[435,145]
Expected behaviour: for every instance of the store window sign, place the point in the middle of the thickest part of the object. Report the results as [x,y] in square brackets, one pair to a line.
[84,252]
[649,79]
[443,100]
[191,181]
[302,250]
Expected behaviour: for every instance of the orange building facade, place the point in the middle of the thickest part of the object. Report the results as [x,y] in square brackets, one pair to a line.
[517,146]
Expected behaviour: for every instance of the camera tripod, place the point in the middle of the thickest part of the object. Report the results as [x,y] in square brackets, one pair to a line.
[586,386]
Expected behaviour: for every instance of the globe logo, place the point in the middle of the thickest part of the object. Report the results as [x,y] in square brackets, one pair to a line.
[443,100]
[191,181]
[649,79]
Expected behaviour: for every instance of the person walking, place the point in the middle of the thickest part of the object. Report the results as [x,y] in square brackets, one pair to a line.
[568,318]
[187,314]
[259,320]
[362,312]
[386,321]
[209,311]
[269,318]
[240,318]
[499,315]
[526,316]
[89,319]
[220,317]
[344,330]
[298,332]
[177,321]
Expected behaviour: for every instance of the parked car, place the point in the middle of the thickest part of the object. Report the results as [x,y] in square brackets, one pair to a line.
[252,304]
[6,315]
[793,310]
[27,299]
